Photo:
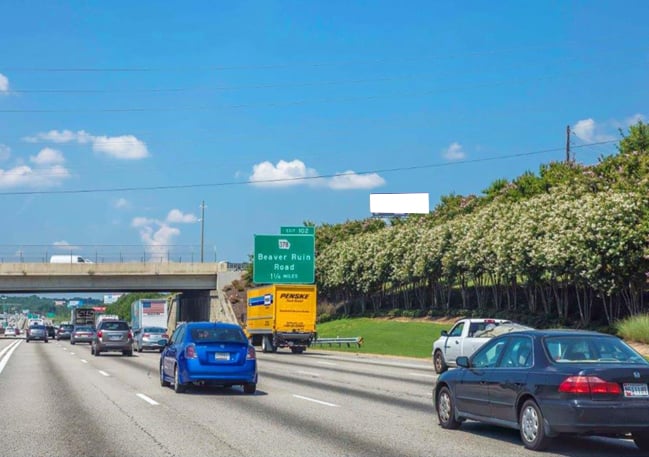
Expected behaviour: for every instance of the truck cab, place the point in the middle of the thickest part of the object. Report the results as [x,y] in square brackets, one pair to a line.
[463,339]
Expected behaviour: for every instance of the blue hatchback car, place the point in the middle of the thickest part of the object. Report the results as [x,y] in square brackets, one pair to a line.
[213,353]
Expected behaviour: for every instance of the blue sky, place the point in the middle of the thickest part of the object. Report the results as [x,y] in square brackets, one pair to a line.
[184,102]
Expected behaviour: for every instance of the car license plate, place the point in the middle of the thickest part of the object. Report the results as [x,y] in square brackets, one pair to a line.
[222,356]
[115,338]
[636,390]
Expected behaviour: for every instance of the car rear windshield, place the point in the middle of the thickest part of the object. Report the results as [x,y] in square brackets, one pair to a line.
[154,330]
[67,327]
[39,327]
[114,325]
[83,328]
[220,335]
[590,348]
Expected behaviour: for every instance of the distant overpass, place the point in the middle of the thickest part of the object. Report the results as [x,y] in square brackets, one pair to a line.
[107,277]
[200,284]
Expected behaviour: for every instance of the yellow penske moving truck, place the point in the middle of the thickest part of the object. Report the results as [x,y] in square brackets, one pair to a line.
[282,316]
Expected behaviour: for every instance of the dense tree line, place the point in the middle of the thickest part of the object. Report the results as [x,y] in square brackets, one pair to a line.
[571,241]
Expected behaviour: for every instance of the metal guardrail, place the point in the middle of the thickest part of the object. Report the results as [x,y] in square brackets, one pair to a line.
[357,340]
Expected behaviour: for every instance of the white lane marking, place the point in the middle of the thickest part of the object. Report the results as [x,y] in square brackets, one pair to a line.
[84,361]
[328,363]
[149,400]
[315,401]
[422,375]
[308,373]
[103,373]
[8,347]
[65,349]
[5,357]
[71,353]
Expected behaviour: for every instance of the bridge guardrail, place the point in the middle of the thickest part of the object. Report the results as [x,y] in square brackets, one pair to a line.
[357,340]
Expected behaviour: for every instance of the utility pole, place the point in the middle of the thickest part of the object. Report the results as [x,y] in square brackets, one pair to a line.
[202,227]
[568,158]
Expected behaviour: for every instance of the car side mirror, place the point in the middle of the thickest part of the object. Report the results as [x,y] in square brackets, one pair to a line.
[444,333]
[462,361]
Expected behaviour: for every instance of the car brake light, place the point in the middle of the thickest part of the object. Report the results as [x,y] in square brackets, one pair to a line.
[100,333]
[190,352]
[146,335]
[588,385]
[251,355]
[130,334]
[164,335]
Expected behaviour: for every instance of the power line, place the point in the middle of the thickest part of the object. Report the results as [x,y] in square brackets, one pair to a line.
[208,68]
[289,180]
[290,103]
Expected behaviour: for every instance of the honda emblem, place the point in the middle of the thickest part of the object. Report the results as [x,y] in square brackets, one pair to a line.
[636,374]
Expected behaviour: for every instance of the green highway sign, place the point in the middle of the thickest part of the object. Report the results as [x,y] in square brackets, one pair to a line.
[310,230]
[284,259]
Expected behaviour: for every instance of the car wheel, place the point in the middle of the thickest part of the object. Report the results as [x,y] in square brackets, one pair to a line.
[531,426]
[97,351]
[46,340]
[266,345]
[128,353]
[163,383]
[249,387]
[440,364]
[178,386]
[642,440]
[446,409]
[72,342]
[27,340]
[298,350]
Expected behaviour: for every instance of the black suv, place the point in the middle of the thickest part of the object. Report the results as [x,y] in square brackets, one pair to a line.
[112,335]
[64,331]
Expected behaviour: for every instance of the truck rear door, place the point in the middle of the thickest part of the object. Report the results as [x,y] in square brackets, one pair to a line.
[296,309]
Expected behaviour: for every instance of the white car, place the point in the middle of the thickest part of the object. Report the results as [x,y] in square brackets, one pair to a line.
[11,332]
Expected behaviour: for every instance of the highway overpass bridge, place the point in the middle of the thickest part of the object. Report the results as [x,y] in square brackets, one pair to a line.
[200,285]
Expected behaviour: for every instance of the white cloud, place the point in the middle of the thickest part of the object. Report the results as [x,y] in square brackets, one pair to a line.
[177,216]
[121,203]
[295,173]
[48,156]
[121,147]
[142,221]
[4,84]
[124,147]
[157,236]
[590,131]
[351,180]
[283,174]
[5,152]
[634,119]
[454,152]
[24,175]
[64,245]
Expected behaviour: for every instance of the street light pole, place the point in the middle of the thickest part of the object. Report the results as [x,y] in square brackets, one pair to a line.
[202,227]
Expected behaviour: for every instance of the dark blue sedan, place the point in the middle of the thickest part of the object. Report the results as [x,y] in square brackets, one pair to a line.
[545,383]
[208,353]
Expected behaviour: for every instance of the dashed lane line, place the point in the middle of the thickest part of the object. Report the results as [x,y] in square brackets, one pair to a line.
[149,400]
[320,402]
[103,373]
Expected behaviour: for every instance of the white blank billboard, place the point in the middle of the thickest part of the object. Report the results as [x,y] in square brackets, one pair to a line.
[387,204]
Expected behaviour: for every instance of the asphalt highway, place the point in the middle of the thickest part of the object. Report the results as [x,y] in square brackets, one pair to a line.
[58,400]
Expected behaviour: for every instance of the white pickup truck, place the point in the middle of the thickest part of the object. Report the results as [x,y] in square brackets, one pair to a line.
[462,340]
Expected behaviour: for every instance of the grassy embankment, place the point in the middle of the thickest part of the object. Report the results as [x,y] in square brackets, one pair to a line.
[388,337]
[415,339]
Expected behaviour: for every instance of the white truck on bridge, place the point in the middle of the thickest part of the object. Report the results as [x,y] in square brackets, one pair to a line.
[462,340]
